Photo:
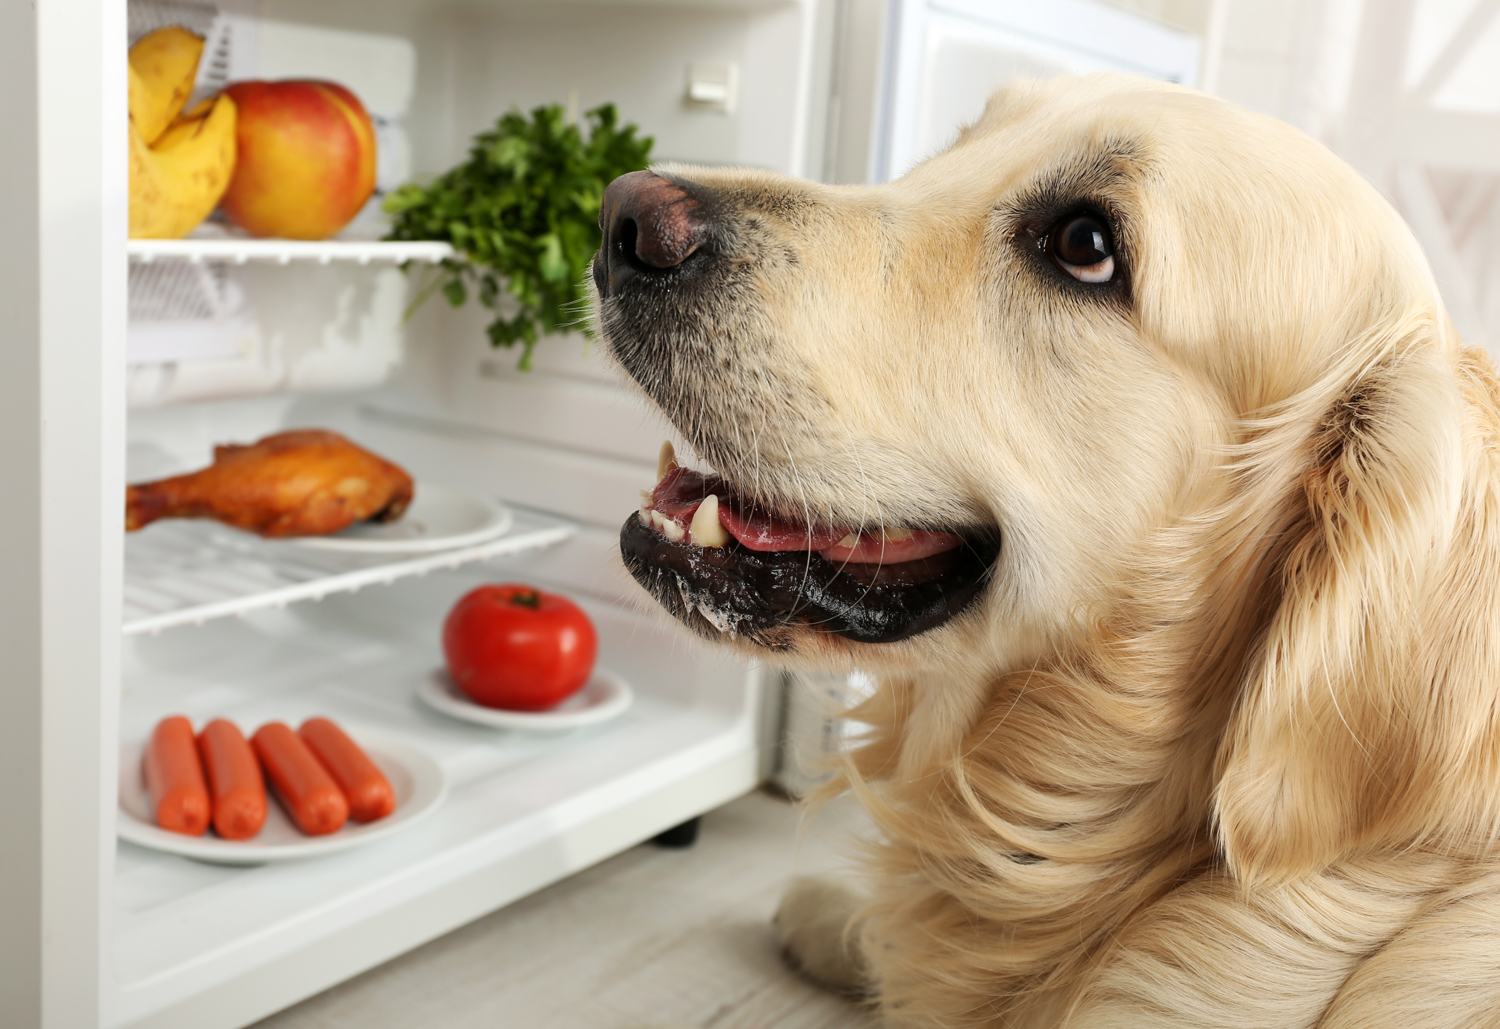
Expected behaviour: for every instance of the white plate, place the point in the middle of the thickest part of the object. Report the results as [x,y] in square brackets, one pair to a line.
[418,781]
[438,519]
[603,697]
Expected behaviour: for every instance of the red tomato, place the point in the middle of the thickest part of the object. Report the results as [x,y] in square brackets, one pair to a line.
[518,648]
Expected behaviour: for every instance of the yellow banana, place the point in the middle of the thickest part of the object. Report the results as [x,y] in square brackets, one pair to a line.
[176,183]
[163,67]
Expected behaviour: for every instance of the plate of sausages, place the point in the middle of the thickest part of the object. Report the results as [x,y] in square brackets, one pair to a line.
[280,795]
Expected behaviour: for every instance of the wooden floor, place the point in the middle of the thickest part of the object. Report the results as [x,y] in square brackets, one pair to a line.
[651,939]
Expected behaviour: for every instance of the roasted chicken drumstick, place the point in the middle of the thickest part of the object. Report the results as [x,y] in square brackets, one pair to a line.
[307,482]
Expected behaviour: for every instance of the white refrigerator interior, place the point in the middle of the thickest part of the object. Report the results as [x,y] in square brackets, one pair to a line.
[129,360]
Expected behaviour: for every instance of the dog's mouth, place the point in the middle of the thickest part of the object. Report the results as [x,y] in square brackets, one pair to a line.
[729,566]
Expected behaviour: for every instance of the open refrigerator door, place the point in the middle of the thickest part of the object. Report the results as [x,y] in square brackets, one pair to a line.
[907,75]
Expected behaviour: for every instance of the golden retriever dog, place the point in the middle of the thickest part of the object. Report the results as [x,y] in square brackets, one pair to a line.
[1128,444]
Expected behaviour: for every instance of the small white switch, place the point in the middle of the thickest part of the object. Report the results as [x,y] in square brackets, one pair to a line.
[713,85]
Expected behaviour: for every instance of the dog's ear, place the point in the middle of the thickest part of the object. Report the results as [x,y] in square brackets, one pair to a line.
[1353,726]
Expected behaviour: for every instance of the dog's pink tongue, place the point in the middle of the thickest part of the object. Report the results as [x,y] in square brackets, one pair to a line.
[876,548]
[683,489]
[680,492]
[759,531]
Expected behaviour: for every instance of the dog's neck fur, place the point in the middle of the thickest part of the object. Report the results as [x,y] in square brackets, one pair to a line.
[974,780]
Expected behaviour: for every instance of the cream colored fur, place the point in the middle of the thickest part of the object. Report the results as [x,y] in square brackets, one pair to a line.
[1237,679]
[817,925]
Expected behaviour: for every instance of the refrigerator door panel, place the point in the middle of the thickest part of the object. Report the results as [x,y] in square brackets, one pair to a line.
[943,58]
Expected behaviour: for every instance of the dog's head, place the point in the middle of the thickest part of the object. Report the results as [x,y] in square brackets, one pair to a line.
[960,402]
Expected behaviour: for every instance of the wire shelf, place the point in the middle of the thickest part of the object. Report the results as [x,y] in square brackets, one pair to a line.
[285,251]
[185,572]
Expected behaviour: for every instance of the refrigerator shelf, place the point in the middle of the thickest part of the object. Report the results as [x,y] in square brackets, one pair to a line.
[285,251]
[190,572]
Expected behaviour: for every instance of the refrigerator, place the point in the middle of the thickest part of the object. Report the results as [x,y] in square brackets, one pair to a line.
[127,359]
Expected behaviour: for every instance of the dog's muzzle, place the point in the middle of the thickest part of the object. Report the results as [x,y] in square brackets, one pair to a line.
[675,269]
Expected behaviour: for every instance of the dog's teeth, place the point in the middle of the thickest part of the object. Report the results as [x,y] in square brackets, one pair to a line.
[645,516]
[850,540]
[645,501]
[896,535]
[668,527]
[707,530]
[666,460]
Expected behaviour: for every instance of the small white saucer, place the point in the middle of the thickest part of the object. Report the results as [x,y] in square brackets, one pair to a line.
[439,518]
[603,697]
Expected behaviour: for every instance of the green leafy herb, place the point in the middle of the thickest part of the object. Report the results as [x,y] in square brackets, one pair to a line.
[523,211]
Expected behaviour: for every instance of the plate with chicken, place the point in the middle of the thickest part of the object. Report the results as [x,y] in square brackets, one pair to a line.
[438,518]
[315,488]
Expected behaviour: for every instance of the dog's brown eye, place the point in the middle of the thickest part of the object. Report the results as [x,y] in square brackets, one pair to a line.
[1081,247]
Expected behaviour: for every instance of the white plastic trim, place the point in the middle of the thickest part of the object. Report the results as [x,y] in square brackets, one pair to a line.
[285,251]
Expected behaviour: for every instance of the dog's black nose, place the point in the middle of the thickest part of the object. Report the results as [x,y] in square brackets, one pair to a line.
[650,224]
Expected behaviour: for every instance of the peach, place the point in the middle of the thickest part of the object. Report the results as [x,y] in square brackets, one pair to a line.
[306,158]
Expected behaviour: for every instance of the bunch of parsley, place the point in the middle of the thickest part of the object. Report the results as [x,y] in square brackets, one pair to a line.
[523,213]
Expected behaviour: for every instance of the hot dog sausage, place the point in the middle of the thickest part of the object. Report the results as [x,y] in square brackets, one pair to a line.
[303,786]
[234,779]
[368,791]
[175,778]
